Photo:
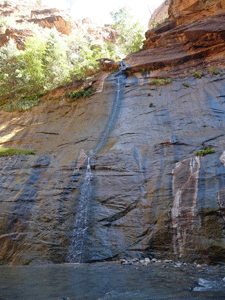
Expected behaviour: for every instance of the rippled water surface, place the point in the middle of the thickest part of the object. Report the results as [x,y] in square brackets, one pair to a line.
[111,281]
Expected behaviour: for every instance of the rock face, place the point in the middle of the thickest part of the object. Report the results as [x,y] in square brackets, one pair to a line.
[150,195]
[19,36]
[159,15]
[188,37]
[58,22]
[115,175]
[187,10]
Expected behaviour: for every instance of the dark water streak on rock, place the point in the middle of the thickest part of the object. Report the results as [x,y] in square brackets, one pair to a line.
[78,251]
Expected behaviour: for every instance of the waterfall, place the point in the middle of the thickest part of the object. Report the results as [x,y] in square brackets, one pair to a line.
[79,235]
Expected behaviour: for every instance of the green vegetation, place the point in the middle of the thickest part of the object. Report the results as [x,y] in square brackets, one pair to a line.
[214,71]
[130,33]
[151,105]
[81,93]
[26,103]
[160,82]
[50,60]
[205,152]
[198,74]
[185,84]
[11,151]
[150,95]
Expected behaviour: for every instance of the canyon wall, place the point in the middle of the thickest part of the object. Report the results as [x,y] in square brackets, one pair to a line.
[148,194]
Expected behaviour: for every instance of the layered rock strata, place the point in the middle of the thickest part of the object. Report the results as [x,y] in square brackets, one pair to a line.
[198,38]
[150,195]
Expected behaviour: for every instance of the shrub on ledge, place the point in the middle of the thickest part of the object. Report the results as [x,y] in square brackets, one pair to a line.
[11,151]
[205,152]
[82,93]
[159,82]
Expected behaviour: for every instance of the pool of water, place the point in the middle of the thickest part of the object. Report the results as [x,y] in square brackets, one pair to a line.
[101,281]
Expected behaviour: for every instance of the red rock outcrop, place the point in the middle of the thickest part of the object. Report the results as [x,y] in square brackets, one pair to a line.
[58,22]
[25,12]
[159,15]
[19,37]
[188,35]
[50,11]
[184,11]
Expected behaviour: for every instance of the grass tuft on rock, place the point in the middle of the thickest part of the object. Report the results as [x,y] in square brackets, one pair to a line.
[12,151]
[161,82]
[198,74]
[214,71]
[185,84]
[205,152]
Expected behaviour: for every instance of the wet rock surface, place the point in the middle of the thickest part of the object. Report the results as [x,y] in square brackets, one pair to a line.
[151,197]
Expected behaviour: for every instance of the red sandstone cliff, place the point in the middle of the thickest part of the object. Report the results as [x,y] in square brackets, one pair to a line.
[19,17]
[193,34]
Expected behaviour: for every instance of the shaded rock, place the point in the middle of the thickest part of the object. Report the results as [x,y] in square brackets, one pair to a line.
[184,212]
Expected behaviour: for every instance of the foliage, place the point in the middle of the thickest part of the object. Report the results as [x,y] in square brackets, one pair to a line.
[151,105]
[198,74]
[131,34]
[185,84]
[11,151]
[82,53]
[160,82]
[26,103]
[81,93]
[49,59]
[214,71]
[41,66]
[205,152]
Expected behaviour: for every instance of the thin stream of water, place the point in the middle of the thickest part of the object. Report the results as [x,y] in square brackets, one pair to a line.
[81,220]
[79,235]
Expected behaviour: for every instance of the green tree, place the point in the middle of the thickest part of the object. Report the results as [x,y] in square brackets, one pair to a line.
[131,33]
[11,79]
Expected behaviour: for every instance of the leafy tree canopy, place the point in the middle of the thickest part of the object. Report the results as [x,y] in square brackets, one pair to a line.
[131,33]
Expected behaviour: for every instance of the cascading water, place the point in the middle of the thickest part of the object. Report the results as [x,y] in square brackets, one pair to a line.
[79,235]
[81,221]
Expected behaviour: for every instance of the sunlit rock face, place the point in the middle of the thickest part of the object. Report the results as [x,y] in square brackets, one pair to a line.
[192,35]
[159,14]
[187,10]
